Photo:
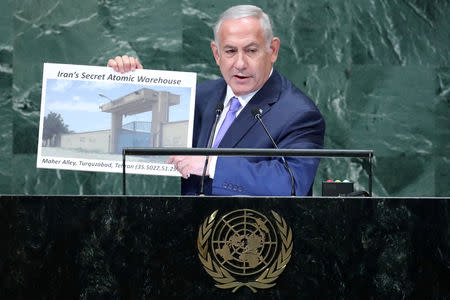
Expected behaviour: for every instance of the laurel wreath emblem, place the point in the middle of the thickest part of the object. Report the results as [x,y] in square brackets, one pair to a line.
[227,281]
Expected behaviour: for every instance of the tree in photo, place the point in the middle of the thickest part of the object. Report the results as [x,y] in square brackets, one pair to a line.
[53,128]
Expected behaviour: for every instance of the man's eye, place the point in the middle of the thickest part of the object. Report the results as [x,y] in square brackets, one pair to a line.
[230,51]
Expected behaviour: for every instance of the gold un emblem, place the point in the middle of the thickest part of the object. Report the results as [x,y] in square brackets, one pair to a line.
[244,248]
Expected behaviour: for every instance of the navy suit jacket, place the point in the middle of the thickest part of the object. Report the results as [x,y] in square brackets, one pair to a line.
[294,123]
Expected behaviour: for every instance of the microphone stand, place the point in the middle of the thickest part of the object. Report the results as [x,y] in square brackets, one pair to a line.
[257,114]
[219,109]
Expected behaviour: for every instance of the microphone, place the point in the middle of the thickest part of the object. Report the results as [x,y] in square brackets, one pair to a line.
[256,112]
[219,109]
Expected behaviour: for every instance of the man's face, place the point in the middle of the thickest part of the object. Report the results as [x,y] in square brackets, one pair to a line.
[243,58]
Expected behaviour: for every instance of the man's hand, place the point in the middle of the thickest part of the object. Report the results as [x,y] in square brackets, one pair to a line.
[188,165]
[124,64]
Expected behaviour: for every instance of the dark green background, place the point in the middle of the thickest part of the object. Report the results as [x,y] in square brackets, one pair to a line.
[378,71]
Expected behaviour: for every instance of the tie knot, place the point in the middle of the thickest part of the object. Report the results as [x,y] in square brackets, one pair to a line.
[235,104]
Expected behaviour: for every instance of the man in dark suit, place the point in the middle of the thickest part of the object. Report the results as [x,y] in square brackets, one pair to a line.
[245,50]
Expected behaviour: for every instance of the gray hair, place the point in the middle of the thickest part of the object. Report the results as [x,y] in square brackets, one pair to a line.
[243,11]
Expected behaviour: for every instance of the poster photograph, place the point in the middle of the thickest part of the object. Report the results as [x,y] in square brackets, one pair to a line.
[89,114]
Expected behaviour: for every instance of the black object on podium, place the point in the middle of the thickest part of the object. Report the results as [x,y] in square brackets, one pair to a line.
[334,188]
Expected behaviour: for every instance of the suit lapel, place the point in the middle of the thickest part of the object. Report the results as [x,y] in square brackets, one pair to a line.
[264,99]
[208,116]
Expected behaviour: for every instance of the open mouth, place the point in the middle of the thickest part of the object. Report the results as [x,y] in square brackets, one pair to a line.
[240,77]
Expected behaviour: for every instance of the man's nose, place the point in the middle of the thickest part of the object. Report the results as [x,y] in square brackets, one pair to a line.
[241,61]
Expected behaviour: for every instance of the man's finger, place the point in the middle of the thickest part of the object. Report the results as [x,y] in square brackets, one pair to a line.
[185,172]
[119,63]
[172,159]
[126,63]
[113,64]
[138,64]
[132,63]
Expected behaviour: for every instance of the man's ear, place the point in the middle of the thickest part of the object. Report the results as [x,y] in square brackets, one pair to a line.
[274,48]
[215,51]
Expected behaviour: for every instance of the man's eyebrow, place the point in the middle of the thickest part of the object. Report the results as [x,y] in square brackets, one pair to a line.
[253,44]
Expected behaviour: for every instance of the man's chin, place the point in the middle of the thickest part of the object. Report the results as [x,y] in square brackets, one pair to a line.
[240,91]
[240,88]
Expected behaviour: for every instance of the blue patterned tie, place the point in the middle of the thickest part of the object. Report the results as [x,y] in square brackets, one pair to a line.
[229,118]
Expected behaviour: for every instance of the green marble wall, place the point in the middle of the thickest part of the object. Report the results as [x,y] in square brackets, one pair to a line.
[378,70]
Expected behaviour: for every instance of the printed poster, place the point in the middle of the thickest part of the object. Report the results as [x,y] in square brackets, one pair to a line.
[89,114]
